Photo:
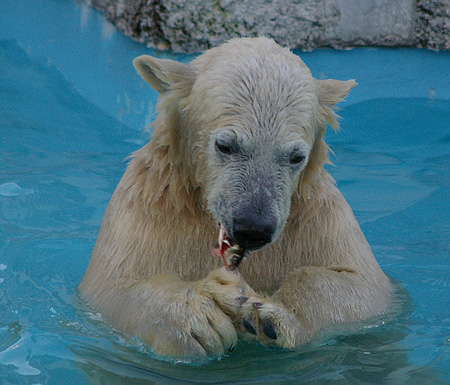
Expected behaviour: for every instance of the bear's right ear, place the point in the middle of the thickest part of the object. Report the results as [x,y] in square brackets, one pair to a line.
[161,74]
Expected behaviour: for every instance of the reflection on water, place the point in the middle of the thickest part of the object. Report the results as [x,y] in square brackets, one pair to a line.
[61,157]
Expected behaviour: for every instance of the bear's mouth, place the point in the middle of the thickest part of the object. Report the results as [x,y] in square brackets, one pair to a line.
[224,242]
[230,252]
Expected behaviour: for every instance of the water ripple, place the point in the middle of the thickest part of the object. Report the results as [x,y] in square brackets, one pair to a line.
[11,189]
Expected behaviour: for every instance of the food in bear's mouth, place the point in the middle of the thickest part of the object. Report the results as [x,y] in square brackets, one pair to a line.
[231,253]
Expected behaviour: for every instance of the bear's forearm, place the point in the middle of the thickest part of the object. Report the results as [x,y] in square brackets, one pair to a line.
[176,317]
[322,296]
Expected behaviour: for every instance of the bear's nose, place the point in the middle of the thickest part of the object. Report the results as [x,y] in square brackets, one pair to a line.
[252,230]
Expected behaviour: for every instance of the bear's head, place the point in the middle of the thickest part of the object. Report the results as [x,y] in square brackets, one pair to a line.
[246,122]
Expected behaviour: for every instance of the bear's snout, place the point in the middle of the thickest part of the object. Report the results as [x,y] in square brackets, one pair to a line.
[252,230]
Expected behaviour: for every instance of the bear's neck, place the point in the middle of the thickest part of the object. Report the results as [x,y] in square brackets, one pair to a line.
[180,231]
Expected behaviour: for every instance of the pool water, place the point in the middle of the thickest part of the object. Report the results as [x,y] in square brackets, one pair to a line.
[72,110]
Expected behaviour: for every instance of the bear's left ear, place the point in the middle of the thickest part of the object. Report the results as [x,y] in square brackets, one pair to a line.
[333,91]
[163,74]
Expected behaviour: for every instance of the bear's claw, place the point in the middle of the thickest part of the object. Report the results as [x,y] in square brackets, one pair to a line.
[249,326]
[242,300]
[269,329]
[269,323]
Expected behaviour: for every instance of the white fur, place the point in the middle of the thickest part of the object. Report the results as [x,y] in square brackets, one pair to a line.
[148,268]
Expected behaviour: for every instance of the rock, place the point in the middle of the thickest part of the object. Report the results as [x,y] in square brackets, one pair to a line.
[432,28]
[196,25]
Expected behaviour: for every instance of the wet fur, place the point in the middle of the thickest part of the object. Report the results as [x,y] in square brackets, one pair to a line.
[147,272]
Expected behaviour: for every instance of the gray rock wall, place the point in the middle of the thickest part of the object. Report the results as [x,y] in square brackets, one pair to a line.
[432,28]
[196,25]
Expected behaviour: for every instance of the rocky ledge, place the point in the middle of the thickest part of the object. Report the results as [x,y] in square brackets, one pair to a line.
[196,25]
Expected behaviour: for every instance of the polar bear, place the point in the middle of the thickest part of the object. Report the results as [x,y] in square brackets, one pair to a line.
[238,145]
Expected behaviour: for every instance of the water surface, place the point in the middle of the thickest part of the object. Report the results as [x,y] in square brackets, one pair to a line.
[72,110]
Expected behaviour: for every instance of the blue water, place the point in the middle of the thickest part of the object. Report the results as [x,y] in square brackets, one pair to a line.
[71,111]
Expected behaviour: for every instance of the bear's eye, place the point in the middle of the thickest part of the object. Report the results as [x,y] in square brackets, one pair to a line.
[224,148]
[296,158]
